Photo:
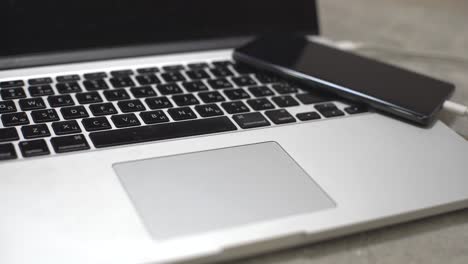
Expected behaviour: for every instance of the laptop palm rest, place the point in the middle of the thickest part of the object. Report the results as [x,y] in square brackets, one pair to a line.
[211,190]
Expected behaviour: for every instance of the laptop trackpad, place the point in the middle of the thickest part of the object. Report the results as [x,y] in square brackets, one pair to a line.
[211,190]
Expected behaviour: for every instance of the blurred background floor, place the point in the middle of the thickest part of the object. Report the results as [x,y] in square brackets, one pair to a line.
[426,26]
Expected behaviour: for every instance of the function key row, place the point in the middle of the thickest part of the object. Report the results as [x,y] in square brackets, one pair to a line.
[194,71]
[40,81]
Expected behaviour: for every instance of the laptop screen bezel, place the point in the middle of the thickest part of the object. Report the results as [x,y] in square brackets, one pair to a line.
[40,58]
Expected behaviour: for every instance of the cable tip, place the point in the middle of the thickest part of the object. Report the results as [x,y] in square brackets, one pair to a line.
[456,108]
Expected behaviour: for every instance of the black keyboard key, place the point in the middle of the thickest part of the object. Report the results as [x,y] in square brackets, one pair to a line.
[39,81]
[69,143]
[220,84]
[198,65]
[121,73]
[356,109]
[125,120]
[74,112]
[285,101]
[236,94]
[161,132]
[261,91]
[185,99]
[158,102]
[116,95]
[221,72]
[260,104]
[35,131]
[121,82]
[8,134]
[41,90]
[211,97]
[68,78]
[144,91]
[148,70]
[308,116]
[172,68]
[284,88]
[7,107]
[209,110]
[70,87]
[147,79]
[12,83]
[42,116]
[66,127]
[326,107]
[96,84]
[95,75]
[7,152]
[329,110]
[182,113]
[154,117]
[131,106]
[88,98]
[32,104]
[197,74]
[173,77]
[34,148]
[244,81]
[12,93]
[243,69]
[235,107]
[60,100]
[15,119]
[280,116]
[309,98]
[96,124]
[196,86]
[169,88]
[251,120]
[266,79]
[225,63]
[332,113]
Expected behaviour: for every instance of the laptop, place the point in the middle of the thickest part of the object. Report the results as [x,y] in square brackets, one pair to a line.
[128,135]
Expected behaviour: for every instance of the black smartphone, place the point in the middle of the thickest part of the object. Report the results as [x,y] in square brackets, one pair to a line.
[388,88]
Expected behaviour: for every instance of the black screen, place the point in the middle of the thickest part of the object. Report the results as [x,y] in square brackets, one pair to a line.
[42,26]
[348,74]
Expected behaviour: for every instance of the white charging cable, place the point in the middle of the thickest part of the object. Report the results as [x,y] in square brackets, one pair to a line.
[455,108]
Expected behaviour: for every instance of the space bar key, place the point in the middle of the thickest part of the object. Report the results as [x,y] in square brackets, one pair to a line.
[161,132]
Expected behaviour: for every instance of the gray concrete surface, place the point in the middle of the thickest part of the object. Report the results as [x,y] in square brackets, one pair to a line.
[429,26]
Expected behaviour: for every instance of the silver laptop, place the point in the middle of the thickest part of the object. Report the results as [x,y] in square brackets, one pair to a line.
[128,135]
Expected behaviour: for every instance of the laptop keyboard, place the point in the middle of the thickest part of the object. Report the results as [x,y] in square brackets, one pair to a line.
[61,114]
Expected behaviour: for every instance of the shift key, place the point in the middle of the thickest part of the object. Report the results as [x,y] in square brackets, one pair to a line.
[7,152]
[69,143]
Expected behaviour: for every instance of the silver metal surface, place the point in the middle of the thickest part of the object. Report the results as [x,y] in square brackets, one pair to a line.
[73,209]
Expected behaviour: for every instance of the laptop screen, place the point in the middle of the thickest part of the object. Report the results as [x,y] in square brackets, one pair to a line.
[38,27]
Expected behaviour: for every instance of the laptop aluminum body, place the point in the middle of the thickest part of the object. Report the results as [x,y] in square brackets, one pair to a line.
[206,197]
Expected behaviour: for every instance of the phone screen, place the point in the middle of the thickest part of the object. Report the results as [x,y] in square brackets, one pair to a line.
[381,85]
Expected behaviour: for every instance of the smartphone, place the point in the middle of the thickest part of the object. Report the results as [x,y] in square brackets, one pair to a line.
[406,94]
